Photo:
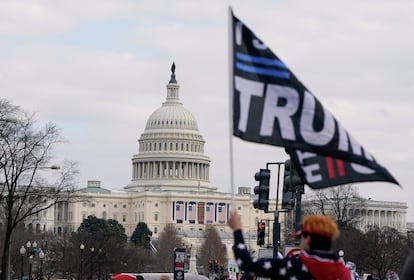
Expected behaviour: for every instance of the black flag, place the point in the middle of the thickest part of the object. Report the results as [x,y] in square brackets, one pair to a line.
[271,106]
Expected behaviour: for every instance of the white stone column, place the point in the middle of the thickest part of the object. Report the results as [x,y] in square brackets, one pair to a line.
[152,169]
[194,170]
[165,169]
[134,171]
[203,171]
[139,170]
[208,172]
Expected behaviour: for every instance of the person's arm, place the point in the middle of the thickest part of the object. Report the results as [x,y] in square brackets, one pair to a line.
[234,221]
[265,267]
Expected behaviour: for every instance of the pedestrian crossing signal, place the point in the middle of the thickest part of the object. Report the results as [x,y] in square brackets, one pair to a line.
[261,233]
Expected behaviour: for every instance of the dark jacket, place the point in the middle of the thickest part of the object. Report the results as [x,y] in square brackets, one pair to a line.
[408,269]
[306,265]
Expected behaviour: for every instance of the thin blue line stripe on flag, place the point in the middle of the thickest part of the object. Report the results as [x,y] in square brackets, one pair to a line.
[260,60]
[262,71]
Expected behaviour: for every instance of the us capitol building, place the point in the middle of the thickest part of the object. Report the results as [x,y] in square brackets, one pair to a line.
[170,184]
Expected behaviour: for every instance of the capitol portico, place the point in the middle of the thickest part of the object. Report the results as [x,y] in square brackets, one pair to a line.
[383,214]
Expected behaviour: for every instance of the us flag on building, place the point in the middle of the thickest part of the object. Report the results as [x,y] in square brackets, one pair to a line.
[192,212]
[221,213]
[209,212]
[179,211]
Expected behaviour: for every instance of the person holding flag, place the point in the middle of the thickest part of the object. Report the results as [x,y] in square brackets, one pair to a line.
[315,261]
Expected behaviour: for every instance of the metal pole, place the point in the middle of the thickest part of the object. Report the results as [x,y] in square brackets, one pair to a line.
[298,213]
[276,233]
[298,210]
[268,232]
[276,224]
[92,260]
[91,269]
[81,265]
[21,268]
[30,267]
[41,269]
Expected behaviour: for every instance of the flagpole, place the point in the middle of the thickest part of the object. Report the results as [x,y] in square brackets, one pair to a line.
[230,59]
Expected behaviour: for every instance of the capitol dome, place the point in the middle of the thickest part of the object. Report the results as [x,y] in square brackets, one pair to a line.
[171,149]
[171,115]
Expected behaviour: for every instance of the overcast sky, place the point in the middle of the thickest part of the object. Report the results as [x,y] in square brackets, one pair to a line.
[98,69]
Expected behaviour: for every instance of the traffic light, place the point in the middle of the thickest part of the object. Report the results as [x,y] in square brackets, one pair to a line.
[261,233]
[292,183]
[263,177]
[216,266]
[210,265]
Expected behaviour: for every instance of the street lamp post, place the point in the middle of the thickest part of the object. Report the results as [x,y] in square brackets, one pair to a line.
[99,263]
[41,257]
[341,254]
[92,260]
[22,253]
[81,247]
[29,254]
[30,267]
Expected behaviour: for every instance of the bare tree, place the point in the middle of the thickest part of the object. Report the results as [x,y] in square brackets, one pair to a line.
[343,203]
[167,242]
[26,149]
[383,251]
[212,248]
